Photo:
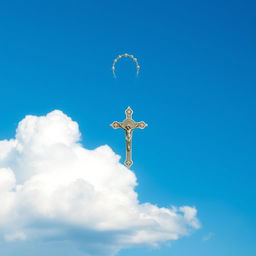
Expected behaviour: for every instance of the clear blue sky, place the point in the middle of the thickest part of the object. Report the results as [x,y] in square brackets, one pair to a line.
[196,90]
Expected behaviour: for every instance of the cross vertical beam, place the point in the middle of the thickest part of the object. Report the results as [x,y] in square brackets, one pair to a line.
[129,125]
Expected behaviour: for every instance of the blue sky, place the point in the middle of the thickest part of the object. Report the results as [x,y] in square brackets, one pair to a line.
[196,90]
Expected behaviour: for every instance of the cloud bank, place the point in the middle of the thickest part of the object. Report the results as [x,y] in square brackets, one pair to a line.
[51,187]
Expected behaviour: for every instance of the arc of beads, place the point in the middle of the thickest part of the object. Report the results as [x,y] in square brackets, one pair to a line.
[126,55]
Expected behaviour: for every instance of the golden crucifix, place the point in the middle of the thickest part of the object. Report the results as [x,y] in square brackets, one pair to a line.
[129,125]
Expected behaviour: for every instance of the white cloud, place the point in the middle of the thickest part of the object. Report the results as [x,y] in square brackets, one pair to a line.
[15,236]
[51,187]
[208,236]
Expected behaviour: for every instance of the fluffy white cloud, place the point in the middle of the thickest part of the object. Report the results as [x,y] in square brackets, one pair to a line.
[51,187]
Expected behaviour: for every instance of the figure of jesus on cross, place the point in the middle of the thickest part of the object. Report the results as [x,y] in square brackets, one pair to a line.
[128,125]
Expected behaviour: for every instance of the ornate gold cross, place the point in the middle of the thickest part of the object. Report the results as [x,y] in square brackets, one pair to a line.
[129,125]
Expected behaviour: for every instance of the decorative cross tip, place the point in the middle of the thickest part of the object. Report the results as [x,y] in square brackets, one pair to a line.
[141,125]
[115,125]
[128,163]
